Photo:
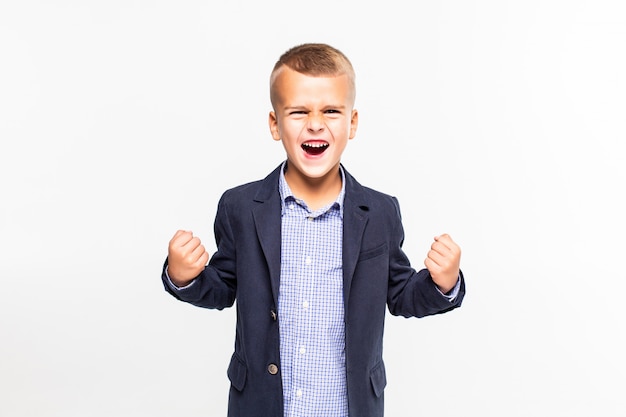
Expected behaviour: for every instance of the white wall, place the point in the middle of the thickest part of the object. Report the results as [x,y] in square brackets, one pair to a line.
[500,122]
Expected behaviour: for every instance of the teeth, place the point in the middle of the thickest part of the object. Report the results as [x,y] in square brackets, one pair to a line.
[315,145]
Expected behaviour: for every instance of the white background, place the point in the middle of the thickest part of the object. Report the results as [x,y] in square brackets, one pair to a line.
[500,122]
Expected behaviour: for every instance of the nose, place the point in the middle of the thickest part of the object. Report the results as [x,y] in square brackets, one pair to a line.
[315,122]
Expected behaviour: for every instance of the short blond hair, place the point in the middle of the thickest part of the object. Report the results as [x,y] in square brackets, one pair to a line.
[314,59]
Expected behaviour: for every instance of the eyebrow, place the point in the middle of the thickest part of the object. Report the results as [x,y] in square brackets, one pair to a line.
[339,107]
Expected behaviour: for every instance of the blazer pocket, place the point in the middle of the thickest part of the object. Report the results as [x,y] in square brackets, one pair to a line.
[237,371]
[372,253]
[378,378]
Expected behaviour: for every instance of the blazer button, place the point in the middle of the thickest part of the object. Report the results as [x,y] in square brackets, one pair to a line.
[272,369]
[273,314]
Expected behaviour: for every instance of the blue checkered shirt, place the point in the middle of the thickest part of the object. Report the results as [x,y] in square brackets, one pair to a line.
[310,308]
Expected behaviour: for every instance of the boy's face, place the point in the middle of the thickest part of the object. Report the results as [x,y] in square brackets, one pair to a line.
[314,118]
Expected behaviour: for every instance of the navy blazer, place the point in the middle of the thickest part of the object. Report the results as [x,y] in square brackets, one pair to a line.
[246,268]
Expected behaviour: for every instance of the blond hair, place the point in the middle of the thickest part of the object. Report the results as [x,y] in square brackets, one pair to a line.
[314,59]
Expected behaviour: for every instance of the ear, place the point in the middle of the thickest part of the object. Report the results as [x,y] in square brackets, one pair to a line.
[354,123]
[273,122]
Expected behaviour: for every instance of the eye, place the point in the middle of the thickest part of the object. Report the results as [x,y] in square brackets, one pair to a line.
[297,112]
[332,111]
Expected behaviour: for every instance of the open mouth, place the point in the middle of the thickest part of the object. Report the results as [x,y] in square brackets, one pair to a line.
[315,147]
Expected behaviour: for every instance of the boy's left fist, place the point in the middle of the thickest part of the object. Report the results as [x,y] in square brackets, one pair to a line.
[443,262]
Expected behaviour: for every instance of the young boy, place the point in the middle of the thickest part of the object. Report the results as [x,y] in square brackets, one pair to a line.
[313,259]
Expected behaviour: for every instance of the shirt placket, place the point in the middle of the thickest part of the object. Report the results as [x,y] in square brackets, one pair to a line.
[305,277]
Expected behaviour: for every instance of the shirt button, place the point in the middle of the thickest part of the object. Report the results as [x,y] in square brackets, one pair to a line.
[292,206]
[302,350]
[308,260]
[310,218]
[299,393]
[272,369]
[305,304]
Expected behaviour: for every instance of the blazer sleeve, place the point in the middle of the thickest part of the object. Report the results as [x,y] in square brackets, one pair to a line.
[216,285]
[413,293]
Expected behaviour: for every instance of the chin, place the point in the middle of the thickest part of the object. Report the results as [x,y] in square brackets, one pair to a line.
[320,172]
[311,172]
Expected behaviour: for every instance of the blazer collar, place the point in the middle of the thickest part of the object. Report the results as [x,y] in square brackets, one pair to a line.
[269,187]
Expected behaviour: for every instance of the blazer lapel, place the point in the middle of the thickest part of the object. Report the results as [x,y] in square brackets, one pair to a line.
[355,216]
[268,226]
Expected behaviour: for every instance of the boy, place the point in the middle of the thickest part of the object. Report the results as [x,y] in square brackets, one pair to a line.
[313,258]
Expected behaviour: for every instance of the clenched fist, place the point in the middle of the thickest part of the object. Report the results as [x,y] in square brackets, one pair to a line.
[443,262]
[186,258]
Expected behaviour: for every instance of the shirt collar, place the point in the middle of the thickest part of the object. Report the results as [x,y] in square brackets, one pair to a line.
[287,195]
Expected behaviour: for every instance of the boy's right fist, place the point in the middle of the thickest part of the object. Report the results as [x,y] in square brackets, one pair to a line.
[186,258]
